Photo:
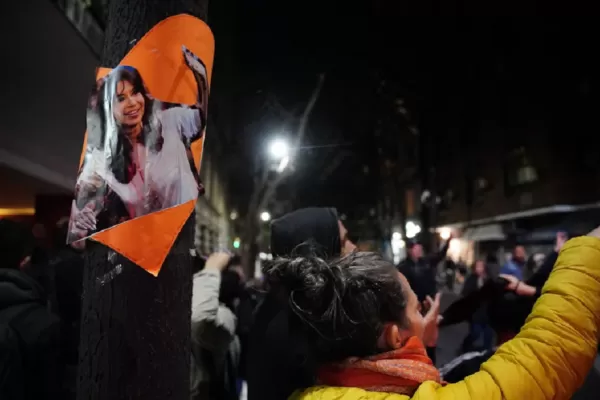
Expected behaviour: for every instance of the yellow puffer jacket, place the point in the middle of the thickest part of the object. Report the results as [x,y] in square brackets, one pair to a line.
[548,359]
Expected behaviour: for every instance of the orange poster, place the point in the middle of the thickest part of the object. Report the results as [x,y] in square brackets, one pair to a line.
[138,181]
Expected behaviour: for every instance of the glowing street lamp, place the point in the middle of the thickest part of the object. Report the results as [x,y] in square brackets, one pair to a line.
[265,216]
[279,149]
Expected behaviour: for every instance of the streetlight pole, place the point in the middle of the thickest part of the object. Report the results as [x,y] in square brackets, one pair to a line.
[135,328]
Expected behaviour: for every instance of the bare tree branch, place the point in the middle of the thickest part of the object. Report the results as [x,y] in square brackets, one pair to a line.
[274,184]
[264,188]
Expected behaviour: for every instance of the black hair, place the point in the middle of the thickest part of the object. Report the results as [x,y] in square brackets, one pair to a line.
[341,305]
[411,243]
[319,226]
[101,121]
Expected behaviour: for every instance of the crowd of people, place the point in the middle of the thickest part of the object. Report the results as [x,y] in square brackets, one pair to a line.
[326,321]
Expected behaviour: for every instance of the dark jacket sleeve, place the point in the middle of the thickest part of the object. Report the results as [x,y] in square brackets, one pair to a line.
[470,285]
[50,362]
[538,279]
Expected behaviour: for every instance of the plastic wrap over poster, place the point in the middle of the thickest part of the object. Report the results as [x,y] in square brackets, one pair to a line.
[138,179]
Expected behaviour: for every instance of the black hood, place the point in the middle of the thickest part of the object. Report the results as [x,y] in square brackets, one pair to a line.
[315,226]
[16,287]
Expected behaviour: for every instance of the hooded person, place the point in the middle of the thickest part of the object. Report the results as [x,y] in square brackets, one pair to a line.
[30,365]
[278,359]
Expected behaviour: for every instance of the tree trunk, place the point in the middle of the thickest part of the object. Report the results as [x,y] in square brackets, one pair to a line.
[135,330]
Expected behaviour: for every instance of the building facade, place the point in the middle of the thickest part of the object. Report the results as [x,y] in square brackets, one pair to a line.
[213,223]
[521,191]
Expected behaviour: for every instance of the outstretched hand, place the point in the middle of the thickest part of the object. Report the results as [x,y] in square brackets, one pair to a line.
[193,62]
[201,77]
[431,320]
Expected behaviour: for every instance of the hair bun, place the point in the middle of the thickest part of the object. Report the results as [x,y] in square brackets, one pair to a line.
[312,286]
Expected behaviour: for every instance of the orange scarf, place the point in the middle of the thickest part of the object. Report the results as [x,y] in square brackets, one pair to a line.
[398,371]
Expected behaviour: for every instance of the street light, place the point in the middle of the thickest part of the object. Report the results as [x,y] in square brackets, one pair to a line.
[412,229]
[265,216]
[279,149]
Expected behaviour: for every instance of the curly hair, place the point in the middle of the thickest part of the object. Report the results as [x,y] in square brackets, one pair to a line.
[342,305]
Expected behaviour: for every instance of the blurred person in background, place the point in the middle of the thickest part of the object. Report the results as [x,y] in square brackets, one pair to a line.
[516,265]
[421,269]
[279,361]
[30,366]
[479,323]
[215,345]
[492,265]
[421,272]
[450,276]
[65,267]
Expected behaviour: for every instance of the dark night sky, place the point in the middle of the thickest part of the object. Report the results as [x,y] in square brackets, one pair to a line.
[513,70]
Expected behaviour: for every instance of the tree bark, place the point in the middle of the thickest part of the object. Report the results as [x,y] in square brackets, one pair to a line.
[135,330]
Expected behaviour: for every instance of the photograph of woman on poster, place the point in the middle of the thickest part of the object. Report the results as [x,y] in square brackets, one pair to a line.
[138,158]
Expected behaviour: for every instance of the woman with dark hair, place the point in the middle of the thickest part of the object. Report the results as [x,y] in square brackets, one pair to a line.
[276,353]
[363,326]
[138,158]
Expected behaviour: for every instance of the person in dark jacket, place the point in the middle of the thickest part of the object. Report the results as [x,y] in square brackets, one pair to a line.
[65,268]
[479,323]
[278,361]
[420,270]
[215,345]
[24,310]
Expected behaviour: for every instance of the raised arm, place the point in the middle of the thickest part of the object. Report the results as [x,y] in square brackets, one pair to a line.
[213,327]
[435,258]
[551,356]
[186,121]
[201,77]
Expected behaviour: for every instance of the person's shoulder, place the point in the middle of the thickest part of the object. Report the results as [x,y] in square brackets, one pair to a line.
[344,393]
[509,265]
[36,324]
